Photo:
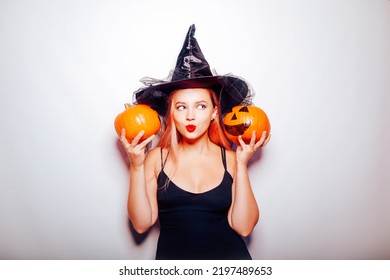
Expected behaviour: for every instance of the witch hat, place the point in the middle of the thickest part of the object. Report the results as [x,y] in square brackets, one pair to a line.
[193,71]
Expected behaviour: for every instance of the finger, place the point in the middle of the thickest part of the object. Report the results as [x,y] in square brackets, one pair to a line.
[123,134]
[262,141]
[242,143]
[253,139]
[258,145]
[146,141]
[123,139]
[125,143]
[263,136]
[137,138]
[267,140]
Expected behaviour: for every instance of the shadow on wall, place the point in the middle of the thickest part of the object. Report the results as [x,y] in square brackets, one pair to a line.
[139,238]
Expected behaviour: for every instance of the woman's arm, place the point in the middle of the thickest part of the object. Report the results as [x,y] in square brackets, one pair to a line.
[142,201]
[244,212]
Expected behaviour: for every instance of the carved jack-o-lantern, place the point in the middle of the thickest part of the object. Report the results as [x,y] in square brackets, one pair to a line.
[243,120]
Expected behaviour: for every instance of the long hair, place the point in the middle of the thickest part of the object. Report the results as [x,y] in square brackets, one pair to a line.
[170,138]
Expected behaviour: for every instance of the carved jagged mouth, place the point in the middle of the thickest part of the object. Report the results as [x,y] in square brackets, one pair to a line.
[238,129]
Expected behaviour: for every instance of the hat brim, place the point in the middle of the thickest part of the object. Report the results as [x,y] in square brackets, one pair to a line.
[231,91]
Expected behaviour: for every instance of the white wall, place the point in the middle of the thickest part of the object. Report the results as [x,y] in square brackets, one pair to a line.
[321,70]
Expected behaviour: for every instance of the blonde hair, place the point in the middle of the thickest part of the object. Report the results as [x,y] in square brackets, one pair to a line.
[170,138]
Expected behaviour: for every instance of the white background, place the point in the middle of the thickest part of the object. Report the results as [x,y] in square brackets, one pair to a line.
[320,69]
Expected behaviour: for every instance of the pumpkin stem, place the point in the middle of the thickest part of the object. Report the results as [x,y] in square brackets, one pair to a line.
[128,105]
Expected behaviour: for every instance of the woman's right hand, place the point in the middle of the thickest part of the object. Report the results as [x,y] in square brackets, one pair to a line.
[135,150]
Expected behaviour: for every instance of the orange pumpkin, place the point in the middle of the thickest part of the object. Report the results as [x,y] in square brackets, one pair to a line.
[243,120]
[136,118]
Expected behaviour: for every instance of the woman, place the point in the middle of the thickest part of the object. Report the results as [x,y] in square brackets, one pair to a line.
[196,186]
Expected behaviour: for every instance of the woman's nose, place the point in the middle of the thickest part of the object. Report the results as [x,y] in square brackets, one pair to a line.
[190,115]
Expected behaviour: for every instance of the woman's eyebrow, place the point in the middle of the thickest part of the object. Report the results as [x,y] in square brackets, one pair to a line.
[198,101]
[180,102]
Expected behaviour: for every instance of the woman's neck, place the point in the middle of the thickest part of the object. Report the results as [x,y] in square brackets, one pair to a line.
[198,146]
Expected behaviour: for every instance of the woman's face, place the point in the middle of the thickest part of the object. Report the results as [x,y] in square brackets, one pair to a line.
[192,111]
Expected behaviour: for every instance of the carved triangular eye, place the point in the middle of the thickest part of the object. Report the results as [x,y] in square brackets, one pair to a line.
[244,109]
[234,117]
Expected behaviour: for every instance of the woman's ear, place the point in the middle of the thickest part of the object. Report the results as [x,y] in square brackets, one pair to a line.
[214,114]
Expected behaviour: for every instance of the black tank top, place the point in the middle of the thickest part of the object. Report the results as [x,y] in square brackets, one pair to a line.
[195,225]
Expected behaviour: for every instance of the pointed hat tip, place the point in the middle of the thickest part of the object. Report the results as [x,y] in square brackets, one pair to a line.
[191,30]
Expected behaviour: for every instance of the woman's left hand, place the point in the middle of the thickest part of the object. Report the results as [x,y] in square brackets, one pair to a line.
[245,151]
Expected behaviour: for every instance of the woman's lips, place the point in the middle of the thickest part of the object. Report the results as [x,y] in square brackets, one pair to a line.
[190,128]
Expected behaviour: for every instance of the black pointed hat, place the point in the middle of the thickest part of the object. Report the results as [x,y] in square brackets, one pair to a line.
[193,71]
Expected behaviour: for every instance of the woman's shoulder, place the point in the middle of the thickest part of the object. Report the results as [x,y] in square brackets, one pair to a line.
[155,154]
[230,154]
[231,160]
[153,158]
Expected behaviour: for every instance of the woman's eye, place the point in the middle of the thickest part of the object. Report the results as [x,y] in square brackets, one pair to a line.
[201,106]
[180,107]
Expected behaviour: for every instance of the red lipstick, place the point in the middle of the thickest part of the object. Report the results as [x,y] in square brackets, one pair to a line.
[190,128]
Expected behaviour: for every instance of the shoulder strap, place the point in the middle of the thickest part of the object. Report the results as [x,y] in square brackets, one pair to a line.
[163,162]
[161,156]
[223,152]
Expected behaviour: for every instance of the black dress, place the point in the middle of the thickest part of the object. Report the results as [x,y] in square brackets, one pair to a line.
[195,225]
